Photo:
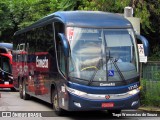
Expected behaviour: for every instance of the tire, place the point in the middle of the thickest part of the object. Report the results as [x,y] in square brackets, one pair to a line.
[55,102]
[20,90]
[24,94]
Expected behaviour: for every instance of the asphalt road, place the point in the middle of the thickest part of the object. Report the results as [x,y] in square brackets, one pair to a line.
[14,108]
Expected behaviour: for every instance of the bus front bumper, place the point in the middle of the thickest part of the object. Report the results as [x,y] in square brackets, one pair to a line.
[77,103]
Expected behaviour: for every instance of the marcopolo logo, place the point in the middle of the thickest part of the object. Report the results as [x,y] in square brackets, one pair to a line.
[41,63]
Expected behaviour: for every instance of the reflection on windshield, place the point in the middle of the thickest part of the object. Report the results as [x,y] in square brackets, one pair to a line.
[102,55]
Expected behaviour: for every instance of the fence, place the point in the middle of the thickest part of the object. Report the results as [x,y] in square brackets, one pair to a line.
[151,71]
[151,83]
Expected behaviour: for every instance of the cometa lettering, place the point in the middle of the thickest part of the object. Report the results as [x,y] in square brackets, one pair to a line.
[41,63]
[107,84]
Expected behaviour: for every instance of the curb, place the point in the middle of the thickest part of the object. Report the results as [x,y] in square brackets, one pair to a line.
[150,109]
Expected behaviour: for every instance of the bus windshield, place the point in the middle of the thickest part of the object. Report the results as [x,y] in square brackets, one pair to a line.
[5,64]
[102,54]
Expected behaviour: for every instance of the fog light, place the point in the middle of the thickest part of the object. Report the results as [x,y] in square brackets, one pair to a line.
[77,104]
[134,103]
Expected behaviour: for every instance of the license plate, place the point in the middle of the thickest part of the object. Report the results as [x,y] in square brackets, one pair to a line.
[6,83]
[107,105]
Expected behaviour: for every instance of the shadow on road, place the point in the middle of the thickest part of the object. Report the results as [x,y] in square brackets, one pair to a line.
[90,115]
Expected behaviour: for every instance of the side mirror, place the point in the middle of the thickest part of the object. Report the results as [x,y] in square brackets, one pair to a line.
[145,43]
[65,44]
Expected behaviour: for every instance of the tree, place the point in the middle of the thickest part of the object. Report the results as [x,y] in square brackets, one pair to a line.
[17,14]
[14,12]
[5,20]
[68,5]
[104,5]
[149,12]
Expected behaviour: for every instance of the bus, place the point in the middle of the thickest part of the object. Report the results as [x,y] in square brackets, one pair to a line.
[9,46]
[6,78]
[79,61]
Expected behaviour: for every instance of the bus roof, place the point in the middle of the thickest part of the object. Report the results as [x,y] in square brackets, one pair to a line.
[7,45]
[96,19]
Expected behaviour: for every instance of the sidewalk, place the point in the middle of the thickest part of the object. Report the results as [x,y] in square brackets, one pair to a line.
[150,109]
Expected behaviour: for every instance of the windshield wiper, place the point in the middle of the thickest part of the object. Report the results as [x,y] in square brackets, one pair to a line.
[116,66]
[109,58]
[95,72]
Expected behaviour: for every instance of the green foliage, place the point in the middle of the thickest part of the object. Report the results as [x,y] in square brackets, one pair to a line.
[150,93]
[141,11]
[155,53]
[154,9]
[17,14]
[5,22]
[157,75]
[25,12]
[104,5]
[67,5]
[19,11]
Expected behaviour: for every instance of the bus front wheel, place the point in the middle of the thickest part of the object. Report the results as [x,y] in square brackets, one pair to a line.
[55,101]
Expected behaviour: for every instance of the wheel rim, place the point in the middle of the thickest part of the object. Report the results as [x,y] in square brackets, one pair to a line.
[55,102]
[20,88]
[23,89]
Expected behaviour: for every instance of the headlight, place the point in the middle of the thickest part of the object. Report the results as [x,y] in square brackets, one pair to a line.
[133,92]
[76,92]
